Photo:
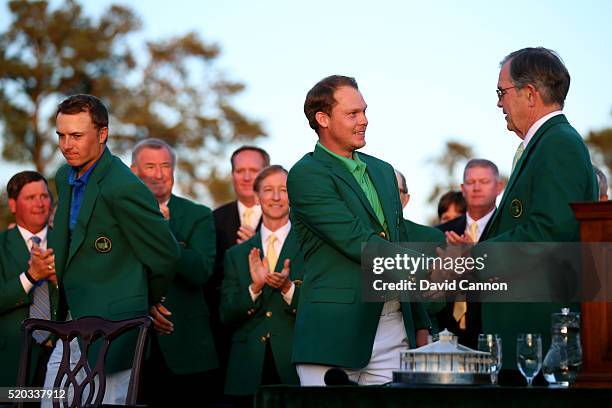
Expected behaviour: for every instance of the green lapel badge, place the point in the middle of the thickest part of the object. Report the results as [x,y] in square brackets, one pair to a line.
[516,208]
[103,244]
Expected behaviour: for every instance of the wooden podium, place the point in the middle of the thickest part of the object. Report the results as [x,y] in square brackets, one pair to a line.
[596,226]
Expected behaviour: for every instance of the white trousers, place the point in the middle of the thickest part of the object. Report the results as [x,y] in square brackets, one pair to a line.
[390,339]
[116,384]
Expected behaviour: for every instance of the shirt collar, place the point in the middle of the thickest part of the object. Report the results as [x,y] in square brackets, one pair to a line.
[354,165]
[72,176]
[256,213]
[534,128]
[27,235]
[281,234]
[482,222]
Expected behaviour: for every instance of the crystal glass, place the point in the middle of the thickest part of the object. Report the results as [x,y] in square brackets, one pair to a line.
[529,355]
[492,343]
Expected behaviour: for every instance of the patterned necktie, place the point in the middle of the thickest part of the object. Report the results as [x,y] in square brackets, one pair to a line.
[40,307]
[519,152]
[271,252]
[247,217]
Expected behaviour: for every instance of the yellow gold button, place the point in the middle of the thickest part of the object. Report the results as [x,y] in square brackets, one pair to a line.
[268,314]
[263,339]
[382,235]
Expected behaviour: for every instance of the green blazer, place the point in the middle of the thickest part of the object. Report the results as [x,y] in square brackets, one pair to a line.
[190,348]
[15,304]
[120,256]
[268,319]
[554,170]
[332,219]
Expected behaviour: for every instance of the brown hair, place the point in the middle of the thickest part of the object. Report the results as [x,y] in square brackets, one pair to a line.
[85,103]
[321,97]
[19,180]
[267,171]
[264,155]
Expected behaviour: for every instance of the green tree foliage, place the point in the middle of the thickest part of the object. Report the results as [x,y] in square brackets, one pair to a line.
[172,91]
[600,144]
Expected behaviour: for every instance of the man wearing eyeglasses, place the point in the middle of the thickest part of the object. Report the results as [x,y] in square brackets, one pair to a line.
[551,169]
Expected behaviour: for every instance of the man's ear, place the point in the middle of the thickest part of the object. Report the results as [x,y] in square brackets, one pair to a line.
[12,205]
[322,119]
[257,199]
[532,95]
[102,135]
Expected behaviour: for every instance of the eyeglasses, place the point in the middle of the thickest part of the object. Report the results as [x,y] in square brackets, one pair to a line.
[502,91]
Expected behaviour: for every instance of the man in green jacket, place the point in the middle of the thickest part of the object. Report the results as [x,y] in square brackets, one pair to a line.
[551,169]
[114,252]
[182,349]
[341,199]
[260,293]
[28,285]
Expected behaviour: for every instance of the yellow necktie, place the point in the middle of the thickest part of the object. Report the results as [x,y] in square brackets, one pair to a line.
[473,232]
[271,252]
[247,216]
[459,312]
[517,155]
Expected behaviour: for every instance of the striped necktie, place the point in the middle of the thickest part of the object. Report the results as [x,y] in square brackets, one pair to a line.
[40,307]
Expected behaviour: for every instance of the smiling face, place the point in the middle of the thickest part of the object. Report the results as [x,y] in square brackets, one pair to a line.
[80,141]
[246,166]
[343,130]
[155,168]
[273,198]
[32,206]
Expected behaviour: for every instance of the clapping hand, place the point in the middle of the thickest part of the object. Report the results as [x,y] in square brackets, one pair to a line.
[42,264]
[259,270]
[280,280]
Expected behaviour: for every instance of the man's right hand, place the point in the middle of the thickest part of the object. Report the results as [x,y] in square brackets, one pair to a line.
[244,234]
[159,312]
[259,269]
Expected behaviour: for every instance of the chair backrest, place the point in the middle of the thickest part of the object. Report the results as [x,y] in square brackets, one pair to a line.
[88,329]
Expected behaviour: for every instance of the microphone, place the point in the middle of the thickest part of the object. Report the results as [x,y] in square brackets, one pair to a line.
[337,376]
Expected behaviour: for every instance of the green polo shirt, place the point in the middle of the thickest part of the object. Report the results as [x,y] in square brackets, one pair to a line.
[358,169]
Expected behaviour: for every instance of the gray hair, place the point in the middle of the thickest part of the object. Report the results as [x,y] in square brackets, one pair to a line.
[542,68]
[153,143]
[404,186]
[481,163]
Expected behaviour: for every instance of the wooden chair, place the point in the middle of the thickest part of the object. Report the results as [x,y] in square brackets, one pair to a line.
[88,330]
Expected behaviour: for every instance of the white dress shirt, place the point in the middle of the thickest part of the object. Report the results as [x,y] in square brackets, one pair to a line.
[254,218]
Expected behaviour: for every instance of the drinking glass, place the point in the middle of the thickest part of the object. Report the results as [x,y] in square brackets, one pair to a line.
[492,343]
[529,355]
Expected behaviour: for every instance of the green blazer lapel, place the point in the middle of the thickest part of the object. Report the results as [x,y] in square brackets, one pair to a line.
[289,250]
[89,200]
[61,233]
[18,249]
[342,173]
[386,196]
[176,214]
[519,165]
